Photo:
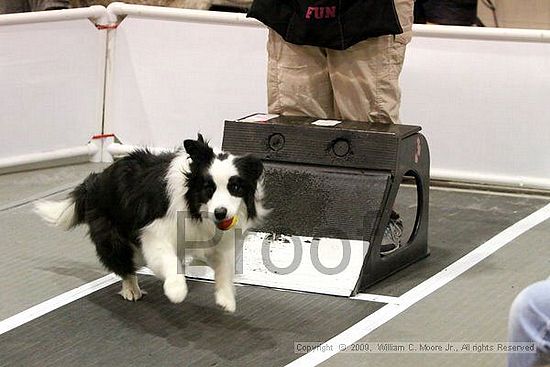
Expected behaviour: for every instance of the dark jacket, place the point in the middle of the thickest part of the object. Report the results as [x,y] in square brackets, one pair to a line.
[447,12]
[336,24]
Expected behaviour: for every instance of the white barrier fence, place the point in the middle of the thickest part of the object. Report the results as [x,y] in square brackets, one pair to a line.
[52,67]
[479,94]
[177,72]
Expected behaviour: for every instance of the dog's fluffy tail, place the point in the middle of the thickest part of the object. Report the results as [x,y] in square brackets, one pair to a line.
[59,213]
[69,212]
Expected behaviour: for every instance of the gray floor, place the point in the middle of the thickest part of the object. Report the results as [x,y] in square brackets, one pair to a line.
[104,330]
[459,222]
[40,262]
[472,308]
[17,188]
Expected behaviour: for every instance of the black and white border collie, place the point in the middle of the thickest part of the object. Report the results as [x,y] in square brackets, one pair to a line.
[131,211]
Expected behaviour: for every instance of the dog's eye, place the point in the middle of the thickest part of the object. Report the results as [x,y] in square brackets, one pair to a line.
[235,188]
[209,188]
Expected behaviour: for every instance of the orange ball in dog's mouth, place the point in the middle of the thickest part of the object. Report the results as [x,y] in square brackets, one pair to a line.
[227,224]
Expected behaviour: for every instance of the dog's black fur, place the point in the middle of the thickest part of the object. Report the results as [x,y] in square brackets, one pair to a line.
[118,202]
[133,192]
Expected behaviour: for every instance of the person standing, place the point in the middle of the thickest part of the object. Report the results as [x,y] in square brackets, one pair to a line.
[338,60]
[529,322]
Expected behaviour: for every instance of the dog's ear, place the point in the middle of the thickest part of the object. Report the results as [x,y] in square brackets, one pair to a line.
[198,150]
[250,167]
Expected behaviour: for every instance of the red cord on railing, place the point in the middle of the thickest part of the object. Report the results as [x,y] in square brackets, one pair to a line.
[103,136]
[106,26]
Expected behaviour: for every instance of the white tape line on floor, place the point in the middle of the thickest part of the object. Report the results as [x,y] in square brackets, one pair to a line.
[376,298]
[56,302]
[388,312]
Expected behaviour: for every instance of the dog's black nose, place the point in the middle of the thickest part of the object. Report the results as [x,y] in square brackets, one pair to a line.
[220,213]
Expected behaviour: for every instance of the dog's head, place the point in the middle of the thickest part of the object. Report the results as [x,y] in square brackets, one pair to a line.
[224,185]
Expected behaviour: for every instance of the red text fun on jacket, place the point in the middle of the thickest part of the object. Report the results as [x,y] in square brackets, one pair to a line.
[321,12]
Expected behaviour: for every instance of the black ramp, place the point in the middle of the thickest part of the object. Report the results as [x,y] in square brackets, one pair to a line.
[322,201]
[104,330]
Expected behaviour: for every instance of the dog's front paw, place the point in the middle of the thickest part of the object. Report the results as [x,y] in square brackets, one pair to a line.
[226,300]
[175,288]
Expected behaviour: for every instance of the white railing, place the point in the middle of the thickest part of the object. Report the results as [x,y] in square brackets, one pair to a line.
[95,13]
[482,33]
[36,160]
[186,15]
[419,30]
[52,66]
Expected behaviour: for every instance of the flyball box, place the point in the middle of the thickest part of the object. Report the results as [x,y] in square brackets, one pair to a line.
[338,180]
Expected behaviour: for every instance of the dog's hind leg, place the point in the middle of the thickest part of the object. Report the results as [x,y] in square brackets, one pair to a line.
[130,288]
[116,253]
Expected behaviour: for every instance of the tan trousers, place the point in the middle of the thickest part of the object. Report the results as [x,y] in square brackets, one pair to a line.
[360,83]
[20,6]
